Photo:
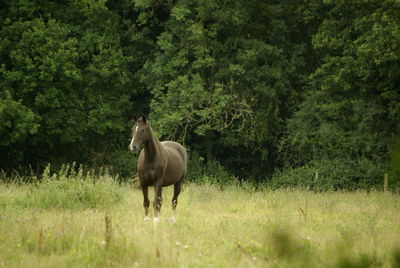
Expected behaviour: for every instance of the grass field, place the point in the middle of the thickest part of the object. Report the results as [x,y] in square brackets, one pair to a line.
[84,223]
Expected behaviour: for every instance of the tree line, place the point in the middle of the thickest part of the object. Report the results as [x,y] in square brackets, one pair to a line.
[265,90]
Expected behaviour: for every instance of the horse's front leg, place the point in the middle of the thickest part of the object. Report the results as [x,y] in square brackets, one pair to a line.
[157,201]
[146,201]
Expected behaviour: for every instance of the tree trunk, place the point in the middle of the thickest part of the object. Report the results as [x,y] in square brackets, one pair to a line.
[209,140]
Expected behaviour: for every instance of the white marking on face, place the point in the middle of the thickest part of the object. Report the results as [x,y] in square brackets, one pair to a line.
[133,138]
[131,145]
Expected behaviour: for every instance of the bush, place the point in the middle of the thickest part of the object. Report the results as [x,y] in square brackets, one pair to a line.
[195,167]
[219,174]
[332,175]
[124,164]
[201,172]
[394,165]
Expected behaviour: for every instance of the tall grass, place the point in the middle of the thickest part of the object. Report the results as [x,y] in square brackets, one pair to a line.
[70,188]
[47,225]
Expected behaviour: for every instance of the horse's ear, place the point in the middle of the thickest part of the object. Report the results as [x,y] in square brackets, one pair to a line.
[144,119]
[134,118]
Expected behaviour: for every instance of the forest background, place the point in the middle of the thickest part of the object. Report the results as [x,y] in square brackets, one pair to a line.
[290,93]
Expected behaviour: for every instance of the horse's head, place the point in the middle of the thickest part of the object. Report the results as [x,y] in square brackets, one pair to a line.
[140,133]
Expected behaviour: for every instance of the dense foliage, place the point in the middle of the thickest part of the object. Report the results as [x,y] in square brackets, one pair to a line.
[255,89]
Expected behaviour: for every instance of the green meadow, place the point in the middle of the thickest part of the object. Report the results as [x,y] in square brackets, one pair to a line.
[81,221]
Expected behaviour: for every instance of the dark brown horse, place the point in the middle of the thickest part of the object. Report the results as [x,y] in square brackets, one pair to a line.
[160,164]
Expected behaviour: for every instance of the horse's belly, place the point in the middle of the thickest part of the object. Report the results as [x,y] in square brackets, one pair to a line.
[175,170]
[151,173]
[173,174]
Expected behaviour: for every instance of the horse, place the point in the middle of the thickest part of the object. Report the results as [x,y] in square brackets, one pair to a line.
[160,164]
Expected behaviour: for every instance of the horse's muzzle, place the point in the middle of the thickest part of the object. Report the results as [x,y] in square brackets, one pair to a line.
[134,148]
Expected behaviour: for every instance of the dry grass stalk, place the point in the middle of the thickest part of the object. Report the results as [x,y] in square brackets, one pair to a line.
[39,245]
[107,233]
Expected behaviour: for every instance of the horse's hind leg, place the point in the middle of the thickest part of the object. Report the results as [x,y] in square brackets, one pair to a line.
[177,191]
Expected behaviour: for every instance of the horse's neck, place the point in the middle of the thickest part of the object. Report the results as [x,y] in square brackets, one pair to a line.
[152,148]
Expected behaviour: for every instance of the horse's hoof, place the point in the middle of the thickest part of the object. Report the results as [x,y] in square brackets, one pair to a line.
[156,220]
[146,218]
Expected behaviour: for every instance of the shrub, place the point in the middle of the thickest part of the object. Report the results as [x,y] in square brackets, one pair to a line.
[394,165]
[195,167]
[219,174]
[124,164]
[332,175]
[213,173]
